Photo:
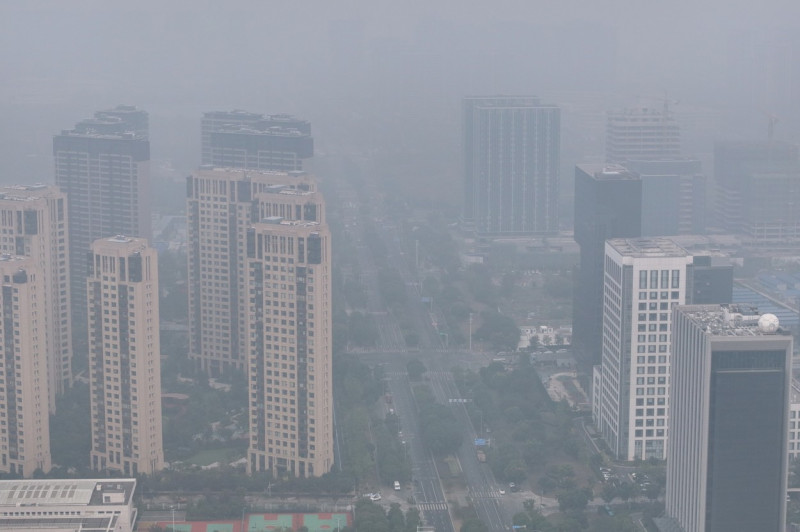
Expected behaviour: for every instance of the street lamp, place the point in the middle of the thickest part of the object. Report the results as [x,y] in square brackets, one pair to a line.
[172,508]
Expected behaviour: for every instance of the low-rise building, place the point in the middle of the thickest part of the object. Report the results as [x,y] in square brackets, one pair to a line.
[69,504]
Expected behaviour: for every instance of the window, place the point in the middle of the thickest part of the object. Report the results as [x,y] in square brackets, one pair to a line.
[676,278]
[643,279]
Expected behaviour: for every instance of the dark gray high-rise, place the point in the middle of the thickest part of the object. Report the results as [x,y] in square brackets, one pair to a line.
[240,139]
[103,166]
[608,204]
[511,149]
[728,419]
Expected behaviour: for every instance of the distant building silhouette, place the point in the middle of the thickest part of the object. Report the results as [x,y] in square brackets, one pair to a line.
[727,464]
[124,356]
[23,401]
[642,134]
[34,221]
[673,196]
[757,188]
[511,149]
[607,205]
[103,166]
[240,139]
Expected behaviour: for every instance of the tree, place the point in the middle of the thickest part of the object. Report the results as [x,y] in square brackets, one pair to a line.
[498,330]
[397,521]
[413,520]
[608,492]
[474,525]
[574,500]
[415,369]
[625,491]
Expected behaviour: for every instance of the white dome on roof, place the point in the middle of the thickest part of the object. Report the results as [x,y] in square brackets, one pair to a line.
[768,323]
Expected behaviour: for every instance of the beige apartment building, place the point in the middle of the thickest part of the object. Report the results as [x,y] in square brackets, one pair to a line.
[24,419]
[260,301]
[289,324]
[222,204]
[33,222]
[124,356]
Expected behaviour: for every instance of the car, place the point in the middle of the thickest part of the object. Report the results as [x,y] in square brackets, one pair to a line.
[374,496]
[513,487]
[502,491]
[396,485]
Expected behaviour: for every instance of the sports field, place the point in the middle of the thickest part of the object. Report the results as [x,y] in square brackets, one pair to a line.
[321,522]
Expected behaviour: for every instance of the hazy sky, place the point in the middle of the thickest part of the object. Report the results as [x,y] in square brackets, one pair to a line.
[381,76]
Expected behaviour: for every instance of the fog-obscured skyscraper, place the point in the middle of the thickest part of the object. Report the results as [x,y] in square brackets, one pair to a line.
[673,196]
[607,205]
[756,187]
[727,464]
[642,134]
[33,221]
[103,166]
[124,356]
[240,139]
[511,148]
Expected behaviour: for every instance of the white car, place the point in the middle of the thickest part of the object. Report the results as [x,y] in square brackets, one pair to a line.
[374,496]
[502,491]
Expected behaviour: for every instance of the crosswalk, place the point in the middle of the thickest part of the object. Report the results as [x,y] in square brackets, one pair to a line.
[485,493]
[428,506]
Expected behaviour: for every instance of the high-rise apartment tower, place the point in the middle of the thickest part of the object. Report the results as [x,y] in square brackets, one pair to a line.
[221,205]
[102,165]
[289,325]
[511,148]
[239,139]
[33,222]
[124,356]
[25,438]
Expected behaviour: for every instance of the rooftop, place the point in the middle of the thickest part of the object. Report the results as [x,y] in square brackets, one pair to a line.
[732,320]
[607,171]
[647,247]
[28,192]
[80,492]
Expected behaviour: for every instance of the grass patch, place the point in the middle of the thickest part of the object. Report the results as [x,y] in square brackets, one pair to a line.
[209,456]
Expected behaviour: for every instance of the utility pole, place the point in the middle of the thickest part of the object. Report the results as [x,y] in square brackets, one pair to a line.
[470,332]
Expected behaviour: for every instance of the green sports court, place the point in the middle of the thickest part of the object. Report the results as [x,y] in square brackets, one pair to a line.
[317,522]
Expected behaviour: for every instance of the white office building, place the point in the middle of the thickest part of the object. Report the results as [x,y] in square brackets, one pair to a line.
[643,280]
